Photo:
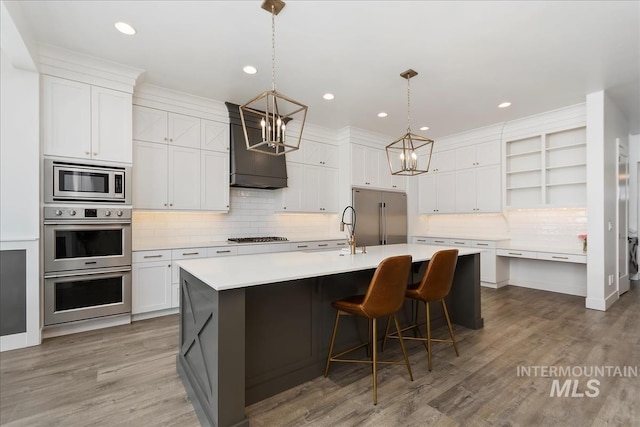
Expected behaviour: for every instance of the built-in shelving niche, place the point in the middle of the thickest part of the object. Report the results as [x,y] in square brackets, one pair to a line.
[547,170]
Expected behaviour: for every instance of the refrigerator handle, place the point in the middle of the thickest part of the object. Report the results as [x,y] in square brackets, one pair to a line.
[383,222]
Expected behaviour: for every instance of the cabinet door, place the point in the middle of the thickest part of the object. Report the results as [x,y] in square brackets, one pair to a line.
[466,157]
[357,165]
[292,195]
[371,167]
[310,193]
[312,154]
[214,169]
[466,190]
[398,182]
[214,136]
[443,161]
[488,189]
[66,118]
[110,125]
[385,179]
[446,192]
[488,153]
[184,131]
[151,288]
[327,190]
[427,193]
[329,155]
[184,178]
[149,124]
[149,175]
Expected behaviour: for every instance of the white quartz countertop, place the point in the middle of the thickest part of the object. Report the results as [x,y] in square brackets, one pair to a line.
[490,238]
[250,270]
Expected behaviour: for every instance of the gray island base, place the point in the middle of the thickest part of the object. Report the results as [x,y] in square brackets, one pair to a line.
[242,344]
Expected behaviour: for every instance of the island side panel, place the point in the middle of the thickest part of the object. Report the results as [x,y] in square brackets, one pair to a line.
[211,355]
[463,301]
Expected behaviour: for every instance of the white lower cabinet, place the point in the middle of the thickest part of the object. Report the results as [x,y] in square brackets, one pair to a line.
[151,290]
[176,255]
[494,271]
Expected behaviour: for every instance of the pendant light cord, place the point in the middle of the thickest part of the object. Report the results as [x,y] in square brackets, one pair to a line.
[408,106]
[273,47]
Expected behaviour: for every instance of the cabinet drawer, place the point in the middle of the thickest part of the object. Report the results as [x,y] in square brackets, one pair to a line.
[188,253]
[150,256]
[263,248]
[514,253]
[420,240]
[222,251]
[548,256]
[488,244]
[447,241]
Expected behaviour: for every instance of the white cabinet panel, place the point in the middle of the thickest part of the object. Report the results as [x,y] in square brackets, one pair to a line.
[443,161]
[149,124]
[151,288]
[66,116]
[292,195]
[214,172]
[183,131]
[327,190]
[311,184]
[85,122]
[214,136]
[466,157]
[488,189]
[427,196]
[184,178]
[488,153]
[111,125]
[149,175]
[446,192]
[466,190]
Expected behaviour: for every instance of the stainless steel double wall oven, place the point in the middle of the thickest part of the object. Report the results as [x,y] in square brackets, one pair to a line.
[87,242]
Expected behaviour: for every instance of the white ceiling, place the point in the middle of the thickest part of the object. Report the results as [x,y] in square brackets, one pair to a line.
[470,56]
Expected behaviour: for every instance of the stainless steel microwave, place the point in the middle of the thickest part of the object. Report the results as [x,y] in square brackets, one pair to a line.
[74,182]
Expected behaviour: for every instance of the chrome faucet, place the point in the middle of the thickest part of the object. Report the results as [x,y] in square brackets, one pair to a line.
[351,228]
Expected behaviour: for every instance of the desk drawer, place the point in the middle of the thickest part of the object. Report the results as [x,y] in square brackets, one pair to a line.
[548,256]
[514,253]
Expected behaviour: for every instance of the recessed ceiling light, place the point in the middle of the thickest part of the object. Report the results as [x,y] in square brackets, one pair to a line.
[125,28]
[249,69]
[424,128]
[328,96]
[504,105]
[382,114]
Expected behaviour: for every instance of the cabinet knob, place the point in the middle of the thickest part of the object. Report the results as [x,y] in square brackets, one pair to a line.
[87,153]
[169,265]
[95,154]
[170,139]
[165,204]
[170,204]
[166,139]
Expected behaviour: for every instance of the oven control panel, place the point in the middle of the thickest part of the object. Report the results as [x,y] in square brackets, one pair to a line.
[80,213]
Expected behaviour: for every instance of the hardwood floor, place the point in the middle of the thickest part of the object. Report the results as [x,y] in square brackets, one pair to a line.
[126,375]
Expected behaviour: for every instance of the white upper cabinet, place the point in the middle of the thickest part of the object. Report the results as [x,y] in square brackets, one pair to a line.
[110,125]
[181,162]
[443,161]
[214,181]
[159,126]
[84,121]
[370,168]
[483,154]
[214,136]
[478,190]
[437,193]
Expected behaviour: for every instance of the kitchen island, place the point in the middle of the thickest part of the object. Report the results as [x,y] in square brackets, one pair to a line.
[252,326]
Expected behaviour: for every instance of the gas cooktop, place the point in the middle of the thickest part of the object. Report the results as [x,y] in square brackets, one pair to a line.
[257,239]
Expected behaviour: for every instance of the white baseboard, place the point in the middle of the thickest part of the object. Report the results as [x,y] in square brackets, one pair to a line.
[15,341]
[152,314]
[567,289]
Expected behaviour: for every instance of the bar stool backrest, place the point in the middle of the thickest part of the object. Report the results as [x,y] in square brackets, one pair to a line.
[387,288]
[438,278]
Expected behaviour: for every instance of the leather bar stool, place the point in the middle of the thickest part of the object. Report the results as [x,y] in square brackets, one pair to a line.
[434,286]
[384,297]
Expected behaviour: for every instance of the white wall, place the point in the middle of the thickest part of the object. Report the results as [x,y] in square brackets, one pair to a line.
[251,214]
[605,124]
[19,145]
[19,169]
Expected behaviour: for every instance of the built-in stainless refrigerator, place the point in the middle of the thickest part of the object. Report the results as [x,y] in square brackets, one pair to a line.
[381,217]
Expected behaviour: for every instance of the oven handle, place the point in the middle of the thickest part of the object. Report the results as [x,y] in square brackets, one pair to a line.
[87,272]
[81,222]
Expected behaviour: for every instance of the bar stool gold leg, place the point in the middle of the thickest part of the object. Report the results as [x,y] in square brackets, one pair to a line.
[375,363]
[404,350]
[333,341]
[453,338]
[386,333]
[426,305]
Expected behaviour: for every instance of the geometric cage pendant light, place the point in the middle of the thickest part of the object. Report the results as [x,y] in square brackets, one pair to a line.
[410,154]
[272,122]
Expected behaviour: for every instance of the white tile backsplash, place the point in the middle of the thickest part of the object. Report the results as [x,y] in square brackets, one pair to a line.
[558,228]
[252,213]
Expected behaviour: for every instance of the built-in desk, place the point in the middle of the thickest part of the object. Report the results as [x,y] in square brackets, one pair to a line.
[252,326]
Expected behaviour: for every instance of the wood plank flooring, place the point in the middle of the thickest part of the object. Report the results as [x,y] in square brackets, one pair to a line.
[126,375]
